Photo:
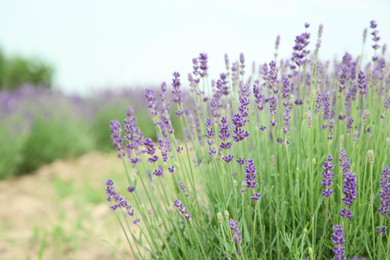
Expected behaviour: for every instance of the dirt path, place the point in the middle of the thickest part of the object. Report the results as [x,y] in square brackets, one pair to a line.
[60,212]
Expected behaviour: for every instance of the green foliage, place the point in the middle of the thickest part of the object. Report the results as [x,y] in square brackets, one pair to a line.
[11,146]
[16,71]
[57,136]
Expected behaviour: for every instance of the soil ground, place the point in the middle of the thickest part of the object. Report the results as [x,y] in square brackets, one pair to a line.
[60,212]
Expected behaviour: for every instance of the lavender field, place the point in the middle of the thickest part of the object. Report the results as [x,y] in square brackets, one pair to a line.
[282,159]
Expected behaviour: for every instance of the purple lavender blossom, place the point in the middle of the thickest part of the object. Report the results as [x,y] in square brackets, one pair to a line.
[241,160]
[384,193]
[250,176]
[362,84]
[176,91]
[286,91]
[327,181]
[349,184]
[259,97]
[183,187]
[255,196]
[182,208]
[210,136]
[114,196]
[300,53]
[242,64]
[236,234]
[116,137]
[338,240]
[152,105]
[349,124]
[159,171]
[228,158]
[164,146]
[133,136]
[238,122]
[381,229]
[131,189]
[286,127]
[203,64]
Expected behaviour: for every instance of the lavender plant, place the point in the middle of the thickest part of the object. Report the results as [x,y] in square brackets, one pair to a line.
[245,180]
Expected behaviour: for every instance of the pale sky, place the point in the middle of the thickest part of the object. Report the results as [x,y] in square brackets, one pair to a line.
[96,43]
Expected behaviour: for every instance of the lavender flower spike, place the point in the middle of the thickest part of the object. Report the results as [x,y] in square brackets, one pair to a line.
[328,177]
[338,241]
[385,192]
[121,202]
[182,208]
[250,179]
[235,231]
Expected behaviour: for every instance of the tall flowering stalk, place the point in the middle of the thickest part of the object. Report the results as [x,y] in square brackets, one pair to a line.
[349,185]
[338,240]
[327,181]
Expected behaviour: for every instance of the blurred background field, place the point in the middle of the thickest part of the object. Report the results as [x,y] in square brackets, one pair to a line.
[39,125]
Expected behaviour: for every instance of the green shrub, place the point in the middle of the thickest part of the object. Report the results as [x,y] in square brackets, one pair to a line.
[57,136]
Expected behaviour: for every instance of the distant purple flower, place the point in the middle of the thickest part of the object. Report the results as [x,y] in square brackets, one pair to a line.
[164,147]
[152,105]
[182,208]
[239,133]
[349,124]
[250,176]
[116,137]
[236,234]
[149,146]
[159,171]
[183,187]
[131,189]
[325,101]
[241,160]
[327,181]
[228,158]
[242,64]
[338,240]
[286,91]
[286,127]
[319,102]
[349,184]
[300,53]
[255,196]
[171,169]
[259,97]
[176,88]
[362,84]
[381,229]
[203,64]
[385,191]
[137,220]
[273,77]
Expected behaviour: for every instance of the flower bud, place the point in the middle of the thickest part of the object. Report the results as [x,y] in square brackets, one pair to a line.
[226,215]
[370,156]
[219,217]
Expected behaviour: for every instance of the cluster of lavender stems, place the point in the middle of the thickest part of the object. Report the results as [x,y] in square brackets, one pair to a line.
[221,121]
